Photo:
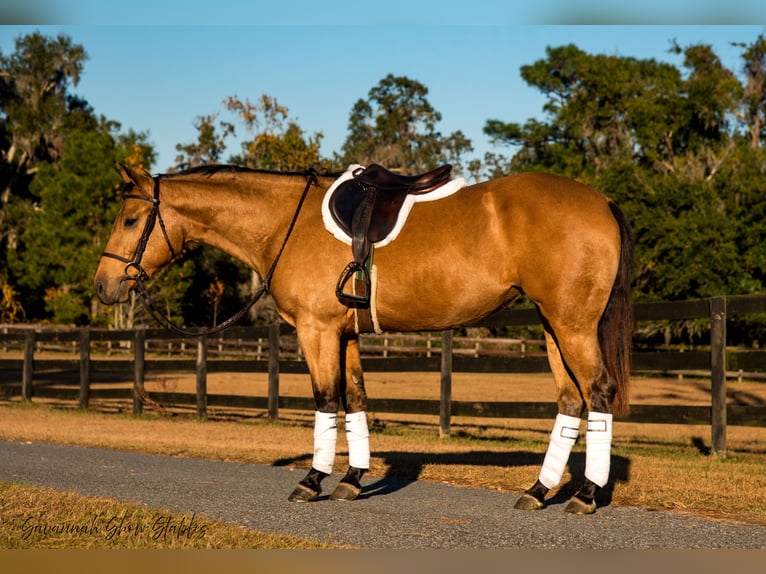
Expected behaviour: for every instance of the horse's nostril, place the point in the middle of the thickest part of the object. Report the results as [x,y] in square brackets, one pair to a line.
[100,290]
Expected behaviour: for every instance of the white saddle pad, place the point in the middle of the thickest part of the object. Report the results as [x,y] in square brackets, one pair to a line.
[439,193]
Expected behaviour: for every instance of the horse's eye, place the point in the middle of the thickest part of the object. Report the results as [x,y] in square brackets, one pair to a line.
[130,222]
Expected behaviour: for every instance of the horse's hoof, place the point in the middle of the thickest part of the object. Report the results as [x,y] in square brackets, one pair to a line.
[529,502]
[345,491]
[578,506]
[303,494]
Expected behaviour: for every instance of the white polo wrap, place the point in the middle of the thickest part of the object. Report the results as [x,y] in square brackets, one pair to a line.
[358,438]
[325,439]
[565,431]
[598,445]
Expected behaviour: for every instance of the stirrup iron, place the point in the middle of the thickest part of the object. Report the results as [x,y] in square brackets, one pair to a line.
[354,299]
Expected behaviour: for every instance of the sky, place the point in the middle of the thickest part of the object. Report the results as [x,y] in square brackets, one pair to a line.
[158,67]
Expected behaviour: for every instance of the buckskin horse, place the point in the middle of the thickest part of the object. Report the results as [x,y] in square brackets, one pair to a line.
[564,245]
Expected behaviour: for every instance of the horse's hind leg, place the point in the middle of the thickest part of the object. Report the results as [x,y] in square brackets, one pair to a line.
[565,431]
[354,399]
[580,358]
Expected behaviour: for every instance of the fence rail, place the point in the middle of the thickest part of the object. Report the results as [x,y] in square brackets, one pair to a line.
[274,350]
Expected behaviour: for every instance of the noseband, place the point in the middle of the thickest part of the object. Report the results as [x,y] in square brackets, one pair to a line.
[154,216]
[142,275]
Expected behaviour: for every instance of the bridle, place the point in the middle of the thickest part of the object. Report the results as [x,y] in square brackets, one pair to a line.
[134,262]
[154,215]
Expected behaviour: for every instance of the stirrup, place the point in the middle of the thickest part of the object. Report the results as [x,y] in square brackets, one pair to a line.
[352,299]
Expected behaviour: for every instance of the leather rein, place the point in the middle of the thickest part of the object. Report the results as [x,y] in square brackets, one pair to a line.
[135,261]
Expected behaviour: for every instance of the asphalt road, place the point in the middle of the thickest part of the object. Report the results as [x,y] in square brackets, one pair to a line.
[389,514]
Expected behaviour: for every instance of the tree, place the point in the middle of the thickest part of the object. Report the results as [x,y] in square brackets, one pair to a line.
[54,263]
[664,143]
[34,83]
[210,144]
[396,127]
[753,110]
[600,109]
[275,143]
[37,112]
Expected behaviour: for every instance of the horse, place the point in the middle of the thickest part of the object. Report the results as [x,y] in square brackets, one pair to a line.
[562,244]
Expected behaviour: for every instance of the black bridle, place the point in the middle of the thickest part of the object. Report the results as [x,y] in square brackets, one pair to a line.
[141,275]
[154,215]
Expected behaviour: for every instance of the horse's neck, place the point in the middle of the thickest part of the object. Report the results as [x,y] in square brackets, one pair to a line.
[242,218]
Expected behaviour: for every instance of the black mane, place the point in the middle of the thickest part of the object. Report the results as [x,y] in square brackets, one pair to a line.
[213,169]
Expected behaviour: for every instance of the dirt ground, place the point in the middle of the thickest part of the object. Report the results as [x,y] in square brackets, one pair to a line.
[468,387]
[537,387]
[505,387]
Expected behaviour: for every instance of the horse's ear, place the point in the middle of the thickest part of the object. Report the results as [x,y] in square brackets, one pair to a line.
[130,175]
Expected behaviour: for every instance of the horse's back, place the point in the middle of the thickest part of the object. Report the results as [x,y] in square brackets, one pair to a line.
[534,233]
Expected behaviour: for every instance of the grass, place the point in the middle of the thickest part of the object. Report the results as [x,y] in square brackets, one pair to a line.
[43,518]
[653,466]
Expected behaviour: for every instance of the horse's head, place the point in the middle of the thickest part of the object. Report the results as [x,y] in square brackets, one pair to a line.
[139,244]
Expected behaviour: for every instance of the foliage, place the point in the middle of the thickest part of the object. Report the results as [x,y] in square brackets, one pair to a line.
[36,115]
[676,148]
[396,127]
[54,263]
[10,307]
[209,146]
[679,147]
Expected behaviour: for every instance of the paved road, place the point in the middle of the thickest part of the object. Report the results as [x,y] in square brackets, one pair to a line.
[389,514]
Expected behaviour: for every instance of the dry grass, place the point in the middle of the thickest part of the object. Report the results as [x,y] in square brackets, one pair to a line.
[43,518]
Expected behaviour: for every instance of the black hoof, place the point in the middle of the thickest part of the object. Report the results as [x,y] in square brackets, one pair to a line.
[529,502]
[309,488]
[534,498]
[303,494]
[584,502]
[579,506]
[345,491]
[350,486]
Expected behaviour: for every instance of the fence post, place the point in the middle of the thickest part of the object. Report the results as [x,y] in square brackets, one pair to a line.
[84,367]
[29,364]
[273,401]
[139,353]
[718,373]
[445,400]
[202,376]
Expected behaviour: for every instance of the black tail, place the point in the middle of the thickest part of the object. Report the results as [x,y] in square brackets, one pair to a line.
[615,331]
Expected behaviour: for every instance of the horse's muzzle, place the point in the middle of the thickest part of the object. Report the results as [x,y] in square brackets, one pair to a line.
[111,292]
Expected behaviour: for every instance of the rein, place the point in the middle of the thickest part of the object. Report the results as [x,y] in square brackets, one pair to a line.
[141,276]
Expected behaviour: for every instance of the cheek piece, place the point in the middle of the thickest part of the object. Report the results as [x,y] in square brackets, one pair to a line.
[566,429]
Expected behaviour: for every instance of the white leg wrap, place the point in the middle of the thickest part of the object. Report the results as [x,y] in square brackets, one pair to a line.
[598,445]
[566,429]
[325,437]
[358,437]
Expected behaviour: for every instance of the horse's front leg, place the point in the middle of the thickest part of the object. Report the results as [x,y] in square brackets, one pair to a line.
[322,349]
[336,377]
[354,399]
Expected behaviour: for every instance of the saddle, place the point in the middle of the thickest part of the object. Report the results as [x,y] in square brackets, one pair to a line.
[367,208]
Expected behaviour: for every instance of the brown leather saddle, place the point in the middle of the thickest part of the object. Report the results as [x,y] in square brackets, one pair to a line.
[367,208]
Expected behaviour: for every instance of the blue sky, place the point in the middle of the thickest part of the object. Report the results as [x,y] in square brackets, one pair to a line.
[158,67]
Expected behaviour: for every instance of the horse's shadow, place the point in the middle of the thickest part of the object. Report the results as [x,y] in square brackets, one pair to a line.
[404,468]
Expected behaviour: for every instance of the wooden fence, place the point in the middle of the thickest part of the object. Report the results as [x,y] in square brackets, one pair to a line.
[273,350]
